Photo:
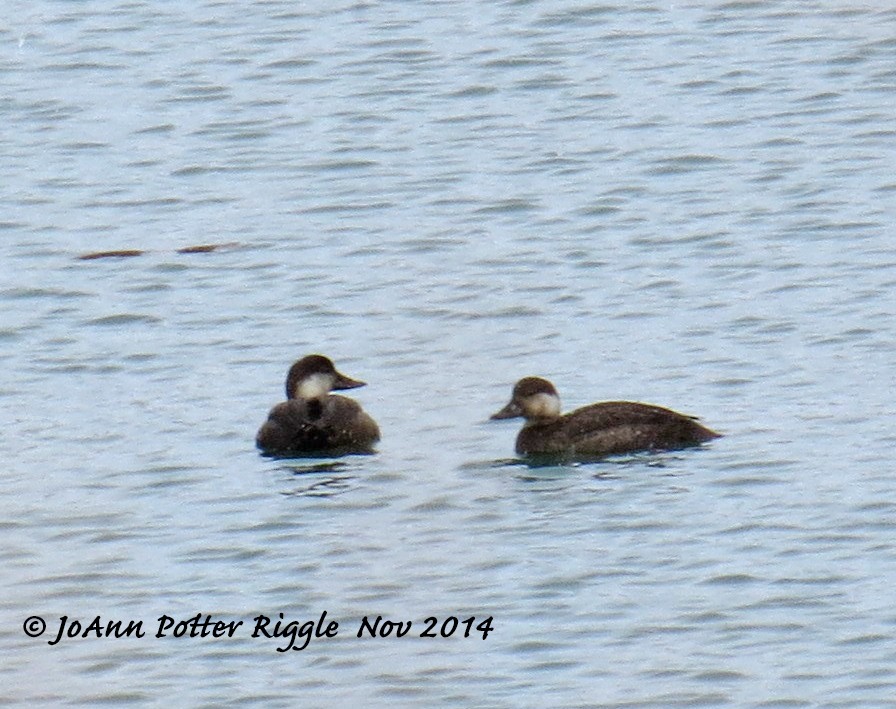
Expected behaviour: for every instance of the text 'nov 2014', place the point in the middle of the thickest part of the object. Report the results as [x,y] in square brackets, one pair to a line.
[287,634]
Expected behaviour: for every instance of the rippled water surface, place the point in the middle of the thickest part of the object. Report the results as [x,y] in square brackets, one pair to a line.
[690,204]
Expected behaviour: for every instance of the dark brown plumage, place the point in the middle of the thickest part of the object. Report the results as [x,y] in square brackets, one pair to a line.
[597,430]
[334,425]
[313,421]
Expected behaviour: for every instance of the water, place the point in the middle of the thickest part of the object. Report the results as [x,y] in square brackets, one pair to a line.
[686,204]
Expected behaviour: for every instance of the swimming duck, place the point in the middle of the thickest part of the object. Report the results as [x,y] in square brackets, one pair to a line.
[596,430]
[312,420]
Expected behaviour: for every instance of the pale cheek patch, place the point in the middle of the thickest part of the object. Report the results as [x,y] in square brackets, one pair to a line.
[314,387]
[543,406]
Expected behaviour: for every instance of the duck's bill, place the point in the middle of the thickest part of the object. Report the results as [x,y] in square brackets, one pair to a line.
[511,411]
[344,382]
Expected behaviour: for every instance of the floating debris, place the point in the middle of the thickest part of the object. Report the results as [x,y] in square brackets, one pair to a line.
[127,253]
[205,248]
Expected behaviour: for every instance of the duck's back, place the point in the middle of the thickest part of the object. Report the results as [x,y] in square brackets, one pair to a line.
[335,424]
[612,427]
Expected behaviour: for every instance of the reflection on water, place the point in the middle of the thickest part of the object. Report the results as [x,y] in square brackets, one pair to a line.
[299,467]
[543,467]
[319,478]
[325,487]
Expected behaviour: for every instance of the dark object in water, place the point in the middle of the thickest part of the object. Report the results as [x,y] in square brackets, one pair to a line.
[125,253]
[204,248]
[314,422]
[607,428]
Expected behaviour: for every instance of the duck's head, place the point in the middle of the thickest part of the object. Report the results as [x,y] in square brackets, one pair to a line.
[533,398]
[314,376]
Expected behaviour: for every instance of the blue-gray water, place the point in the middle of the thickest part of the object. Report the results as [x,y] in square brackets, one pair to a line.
[690,204]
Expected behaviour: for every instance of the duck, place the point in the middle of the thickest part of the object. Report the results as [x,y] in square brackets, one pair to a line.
[313,421]
[597,430]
